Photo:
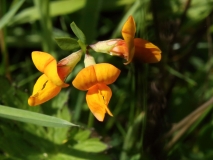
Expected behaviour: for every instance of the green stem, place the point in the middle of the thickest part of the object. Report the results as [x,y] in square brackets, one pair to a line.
[144,97]
[90,120]
[3,45]
[46,24]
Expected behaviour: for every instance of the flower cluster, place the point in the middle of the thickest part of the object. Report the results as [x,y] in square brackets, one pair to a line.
[94,78]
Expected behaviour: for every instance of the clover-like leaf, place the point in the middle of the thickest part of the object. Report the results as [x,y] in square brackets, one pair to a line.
[78,32]
[67,43]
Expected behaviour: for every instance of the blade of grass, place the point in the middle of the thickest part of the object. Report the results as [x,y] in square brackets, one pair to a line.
[56,8]
[9,15]
[181,76]
[32,117]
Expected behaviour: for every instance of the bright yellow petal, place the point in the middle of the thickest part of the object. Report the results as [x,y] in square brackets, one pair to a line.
[128,33]
[98,98]
[47,64]
[43,91]
[98,73]
[106,73]
[41,60]
[146,52]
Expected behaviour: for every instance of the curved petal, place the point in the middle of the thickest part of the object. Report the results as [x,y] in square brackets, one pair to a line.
[41,60]
[43,91]
[47,64]
[106,73]
[98,73]
[128,33]
[85,79]
[120,49]
[98,98]
[146,52]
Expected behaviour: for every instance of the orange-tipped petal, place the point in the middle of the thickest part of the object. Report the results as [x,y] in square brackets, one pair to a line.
[98,73]
[43,91]
[47,64]
[114,47]
[128,33]
[66,65]
[98,98]
[120,49]
[146,52]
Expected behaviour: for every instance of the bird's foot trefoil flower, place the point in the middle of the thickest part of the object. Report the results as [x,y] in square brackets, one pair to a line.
[130,48]
[54,75]
[95,78]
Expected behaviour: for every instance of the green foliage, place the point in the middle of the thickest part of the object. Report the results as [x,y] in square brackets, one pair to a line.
[31,117]
[67,43]
[160,111]
[78,32]
[7,17]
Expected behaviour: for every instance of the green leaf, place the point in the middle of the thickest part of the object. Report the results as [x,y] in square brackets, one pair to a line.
[82,136]
[32,117]
[67,43]
[7,17]
[91,145]
[78,32]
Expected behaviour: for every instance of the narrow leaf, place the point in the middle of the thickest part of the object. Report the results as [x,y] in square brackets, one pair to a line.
[7,17]
[181,76]
[32,117]
[67,43]
[78,32]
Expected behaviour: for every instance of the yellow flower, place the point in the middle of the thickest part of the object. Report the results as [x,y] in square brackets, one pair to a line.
[130,48]
[49,84]
[95,79]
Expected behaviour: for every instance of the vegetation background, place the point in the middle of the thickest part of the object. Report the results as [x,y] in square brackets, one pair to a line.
[161,111]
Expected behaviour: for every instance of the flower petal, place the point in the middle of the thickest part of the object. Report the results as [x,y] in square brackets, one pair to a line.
[98,98]
[106,73]
[43,91]
[98,73]
[128,33]
[146,52]
[47,64]
[85,79]
[41,60]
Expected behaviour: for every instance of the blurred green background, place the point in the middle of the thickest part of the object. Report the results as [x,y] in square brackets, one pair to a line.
[161,111]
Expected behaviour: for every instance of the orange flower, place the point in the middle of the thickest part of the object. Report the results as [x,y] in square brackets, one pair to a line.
[130,47]
[95,79]
[52,80]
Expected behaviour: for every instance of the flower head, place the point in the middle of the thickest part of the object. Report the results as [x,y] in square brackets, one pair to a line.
[130,48]
[95,79]
[52,80]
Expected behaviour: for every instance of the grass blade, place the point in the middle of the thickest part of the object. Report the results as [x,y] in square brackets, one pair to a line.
[32,117]
[7,17]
